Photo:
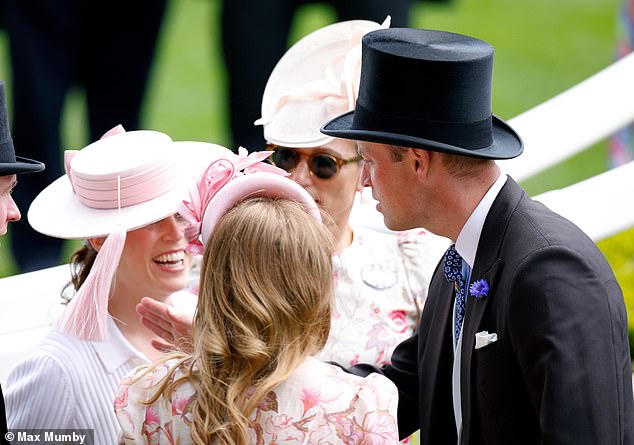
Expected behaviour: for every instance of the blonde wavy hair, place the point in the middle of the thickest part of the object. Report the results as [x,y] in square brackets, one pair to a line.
[263,308]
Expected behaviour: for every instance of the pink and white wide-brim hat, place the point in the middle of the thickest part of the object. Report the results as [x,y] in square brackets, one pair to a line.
[122,182]
[153,173]
[316,80]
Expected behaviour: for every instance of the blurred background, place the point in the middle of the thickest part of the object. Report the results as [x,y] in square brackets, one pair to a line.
[543,47]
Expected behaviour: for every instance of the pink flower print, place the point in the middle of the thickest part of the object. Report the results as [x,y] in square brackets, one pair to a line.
[380,428]
[412,236]
[310,398]
[346,429]
[269,403]
[127,423]
[180,405]
[381,338]
[154,377]
[275,424]
[167,436]
[151,426]
[121,401]
[399,318]
[152,419]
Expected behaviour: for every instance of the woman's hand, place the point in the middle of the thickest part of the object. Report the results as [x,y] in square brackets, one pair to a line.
[173,327]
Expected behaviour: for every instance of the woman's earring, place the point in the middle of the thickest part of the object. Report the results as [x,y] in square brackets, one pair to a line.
[362,195]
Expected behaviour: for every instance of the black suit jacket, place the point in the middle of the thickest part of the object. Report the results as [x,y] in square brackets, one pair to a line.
[3,421]
[560,372]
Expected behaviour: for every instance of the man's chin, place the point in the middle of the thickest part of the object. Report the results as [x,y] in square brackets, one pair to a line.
[396,226]
[391,225]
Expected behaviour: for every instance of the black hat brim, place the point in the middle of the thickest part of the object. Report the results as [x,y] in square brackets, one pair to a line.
[22,165]
[507,144]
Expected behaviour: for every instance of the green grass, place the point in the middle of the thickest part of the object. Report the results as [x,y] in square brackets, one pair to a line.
[542,48]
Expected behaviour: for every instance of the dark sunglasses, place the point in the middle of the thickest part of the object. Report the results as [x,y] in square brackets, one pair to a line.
[322,165]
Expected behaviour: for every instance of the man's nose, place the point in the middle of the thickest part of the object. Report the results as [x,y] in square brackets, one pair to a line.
[301,173]
[365,176]
[13,213]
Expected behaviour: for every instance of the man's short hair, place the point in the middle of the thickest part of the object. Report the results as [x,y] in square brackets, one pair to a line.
[463,166]
[397,153]
[457,165]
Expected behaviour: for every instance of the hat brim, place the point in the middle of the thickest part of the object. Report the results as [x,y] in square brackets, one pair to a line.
[22,165]
[507,144]
[57,212]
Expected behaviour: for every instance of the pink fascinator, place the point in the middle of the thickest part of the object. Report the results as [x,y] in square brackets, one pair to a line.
[227,182]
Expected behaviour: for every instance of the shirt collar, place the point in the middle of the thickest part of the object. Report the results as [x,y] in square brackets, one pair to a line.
[115,350]
[469,237]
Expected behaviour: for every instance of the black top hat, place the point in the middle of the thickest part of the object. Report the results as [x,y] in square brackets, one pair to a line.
[427,89]
[10,164]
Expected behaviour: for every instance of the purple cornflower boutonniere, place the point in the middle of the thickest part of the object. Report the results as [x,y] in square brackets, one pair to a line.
[479,289]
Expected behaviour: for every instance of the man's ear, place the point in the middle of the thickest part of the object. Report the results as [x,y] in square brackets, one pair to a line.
[420,161]
[96,243]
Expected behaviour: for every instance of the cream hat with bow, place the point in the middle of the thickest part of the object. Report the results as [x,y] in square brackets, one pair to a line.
[314,81]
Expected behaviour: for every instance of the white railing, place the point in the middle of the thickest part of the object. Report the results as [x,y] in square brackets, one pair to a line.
[574,120]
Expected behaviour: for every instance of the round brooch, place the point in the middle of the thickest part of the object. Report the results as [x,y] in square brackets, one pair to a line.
[378,276]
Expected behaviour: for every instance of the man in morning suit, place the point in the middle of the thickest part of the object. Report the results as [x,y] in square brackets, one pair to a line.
[523,338]
[10,166]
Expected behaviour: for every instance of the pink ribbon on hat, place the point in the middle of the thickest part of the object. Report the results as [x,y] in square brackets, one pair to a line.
[86,316]
[214,178]
[338,91]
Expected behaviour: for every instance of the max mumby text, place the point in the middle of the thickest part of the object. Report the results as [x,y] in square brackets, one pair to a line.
[50,437]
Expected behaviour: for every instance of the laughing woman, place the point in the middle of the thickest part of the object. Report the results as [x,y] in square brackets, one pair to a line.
[120,195]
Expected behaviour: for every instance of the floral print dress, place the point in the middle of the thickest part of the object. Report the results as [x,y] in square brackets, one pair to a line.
[318,404]
[381,283]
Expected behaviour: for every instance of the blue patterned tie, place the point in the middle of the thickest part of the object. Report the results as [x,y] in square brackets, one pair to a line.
[453,274]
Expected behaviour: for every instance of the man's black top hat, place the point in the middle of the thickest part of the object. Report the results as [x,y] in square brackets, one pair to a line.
[427,89]
[10,164]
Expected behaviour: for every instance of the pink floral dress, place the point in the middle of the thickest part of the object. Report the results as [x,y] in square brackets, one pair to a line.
[318,404]
[381,283]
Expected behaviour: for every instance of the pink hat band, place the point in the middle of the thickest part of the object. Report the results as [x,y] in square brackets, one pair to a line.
[122,189]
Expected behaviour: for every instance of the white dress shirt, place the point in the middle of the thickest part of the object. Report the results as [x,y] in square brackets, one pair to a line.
[71,383]
[467,247]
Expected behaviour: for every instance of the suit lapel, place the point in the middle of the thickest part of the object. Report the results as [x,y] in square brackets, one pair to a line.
[487,266]
[437,359]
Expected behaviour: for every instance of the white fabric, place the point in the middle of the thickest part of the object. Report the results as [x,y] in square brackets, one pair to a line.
[70,383]
[365,214]
[318,404]
[469,236]
[601,206]
[467,246]
[30,303]
[381,283]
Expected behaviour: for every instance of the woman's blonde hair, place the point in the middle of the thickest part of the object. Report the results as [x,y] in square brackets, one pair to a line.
[264,307]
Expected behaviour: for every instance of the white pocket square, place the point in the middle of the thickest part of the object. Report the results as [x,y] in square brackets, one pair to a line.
[483,338]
